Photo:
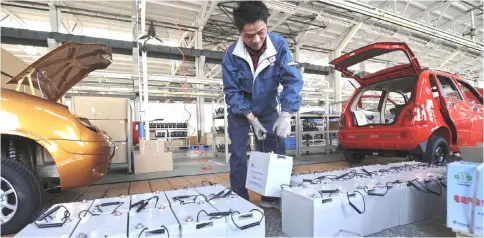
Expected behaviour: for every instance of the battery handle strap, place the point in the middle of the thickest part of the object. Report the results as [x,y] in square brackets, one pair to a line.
[253,224]
[353,206]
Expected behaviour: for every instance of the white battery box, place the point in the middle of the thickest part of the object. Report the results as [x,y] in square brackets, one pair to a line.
[184,196]
[51,222]
[266,172]
[200,219]
[308,212]
[153,222]
[105,225]
[245,220]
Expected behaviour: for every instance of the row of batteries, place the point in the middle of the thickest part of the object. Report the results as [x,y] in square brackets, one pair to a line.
[168,125]
[215,211]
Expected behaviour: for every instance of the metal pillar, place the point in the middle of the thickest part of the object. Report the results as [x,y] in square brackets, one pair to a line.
[199,64]
[145,74]
[336,54]
[136,74]
[298,113]
[54,15]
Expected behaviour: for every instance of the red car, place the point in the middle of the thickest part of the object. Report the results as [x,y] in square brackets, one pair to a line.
[426,114]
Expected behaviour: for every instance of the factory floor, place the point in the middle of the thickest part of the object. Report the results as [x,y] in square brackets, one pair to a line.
[119,183]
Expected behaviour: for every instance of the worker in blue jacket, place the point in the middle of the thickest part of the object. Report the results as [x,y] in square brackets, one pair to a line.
[253,68]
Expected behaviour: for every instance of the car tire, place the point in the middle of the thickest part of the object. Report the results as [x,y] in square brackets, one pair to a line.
[25,193]
[354,158]
[437,151]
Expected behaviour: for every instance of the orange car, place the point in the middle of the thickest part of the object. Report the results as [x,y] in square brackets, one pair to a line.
[44,146]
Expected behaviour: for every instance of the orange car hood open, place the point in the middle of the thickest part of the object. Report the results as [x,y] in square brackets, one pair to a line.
[59,70]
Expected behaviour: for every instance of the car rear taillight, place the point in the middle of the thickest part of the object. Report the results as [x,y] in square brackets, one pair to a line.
[342,121]
[414,116]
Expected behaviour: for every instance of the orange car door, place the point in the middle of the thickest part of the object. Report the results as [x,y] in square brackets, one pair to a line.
[455,108]
[474,100]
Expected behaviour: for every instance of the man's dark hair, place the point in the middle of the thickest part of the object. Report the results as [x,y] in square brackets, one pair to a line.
[250,12]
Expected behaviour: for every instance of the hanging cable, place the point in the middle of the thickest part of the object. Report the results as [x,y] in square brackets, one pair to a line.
[183,89]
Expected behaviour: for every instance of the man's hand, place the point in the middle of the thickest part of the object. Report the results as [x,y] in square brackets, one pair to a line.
[282,126]
[259,131]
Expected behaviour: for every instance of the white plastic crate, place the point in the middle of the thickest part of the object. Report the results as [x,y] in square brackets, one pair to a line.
[267,172]
[56,217]
[246,220]
[205,226]
[110,205]
[153,222]
[106,225]
[183,196]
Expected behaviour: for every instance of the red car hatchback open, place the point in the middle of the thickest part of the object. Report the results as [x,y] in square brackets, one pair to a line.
[418,112]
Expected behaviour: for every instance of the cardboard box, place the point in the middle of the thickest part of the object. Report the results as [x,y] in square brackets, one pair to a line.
[121,155]
[463,178]
[116,129]
[153,162]
[100,108]
[152,146]
[177,142]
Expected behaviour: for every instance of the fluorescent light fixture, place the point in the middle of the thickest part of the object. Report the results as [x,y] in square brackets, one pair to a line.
[445,48]
[383,30]
[335,18]
[418,40]
[473,54]
[281,6]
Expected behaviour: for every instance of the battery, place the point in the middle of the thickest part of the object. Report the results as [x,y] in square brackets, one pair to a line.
[421,199]
[184,196]
[245,220]
[105,225]
[153,222]
[195,222]
[155,200]
[312,212]
[110,205]
[60,228]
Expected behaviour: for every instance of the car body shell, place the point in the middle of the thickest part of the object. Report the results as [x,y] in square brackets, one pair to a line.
[460,122]
[82,153]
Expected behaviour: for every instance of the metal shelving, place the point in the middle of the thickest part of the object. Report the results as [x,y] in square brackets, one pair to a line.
[327,144]
[216,104]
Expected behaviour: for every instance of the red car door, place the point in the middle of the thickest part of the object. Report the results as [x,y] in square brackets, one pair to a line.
[454,108]
[475,101]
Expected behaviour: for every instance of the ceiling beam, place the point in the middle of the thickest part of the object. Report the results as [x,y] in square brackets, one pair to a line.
[280,21]
[37,38]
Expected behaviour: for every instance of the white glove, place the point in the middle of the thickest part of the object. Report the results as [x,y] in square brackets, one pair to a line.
[282,126]
[259,130]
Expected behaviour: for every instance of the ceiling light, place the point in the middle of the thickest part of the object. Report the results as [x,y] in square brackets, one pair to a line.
[383,30]
[335,18]
[418,40]
[281,6]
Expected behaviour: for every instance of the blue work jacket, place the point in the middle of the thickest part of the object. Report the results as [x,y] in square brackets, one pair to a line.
[256,91]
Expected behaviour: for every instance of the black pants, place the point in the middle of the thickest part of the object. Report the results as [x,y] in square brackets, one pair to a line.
[239,134]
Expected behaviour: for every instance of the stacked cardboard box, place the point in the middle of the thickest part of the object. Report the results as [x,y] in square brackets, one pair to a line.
[152,157]
[108,114]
